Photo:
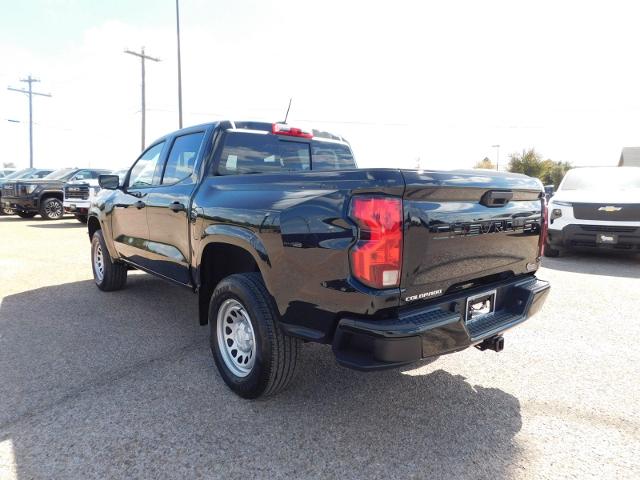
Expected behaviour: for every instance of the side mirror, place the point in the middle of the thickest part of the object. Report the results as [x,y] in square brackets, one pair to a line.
[109,182]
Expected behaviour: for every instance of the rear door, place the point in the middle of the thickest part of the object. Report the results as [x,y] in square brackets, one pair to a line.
[168,206]
[129,214]
[466,229]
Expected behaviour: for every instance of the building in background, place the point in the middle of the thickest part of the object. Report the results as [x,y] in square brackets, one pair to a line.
[630,157]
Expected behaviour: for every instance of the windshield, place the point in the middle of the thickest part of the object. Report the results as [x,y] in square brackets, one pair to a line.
[62,174]
[614,178]
[18,174]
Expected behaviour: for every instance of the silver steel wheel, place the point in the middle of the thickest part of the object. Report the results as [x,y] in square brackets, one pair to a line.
[236,338]
[98,262]
[53,210]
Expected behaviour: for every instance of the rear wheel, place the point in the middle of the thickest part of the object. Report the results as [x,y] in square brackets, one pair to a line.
[26,214]
[51,209]
[253,356]
[107,274]
[8,211]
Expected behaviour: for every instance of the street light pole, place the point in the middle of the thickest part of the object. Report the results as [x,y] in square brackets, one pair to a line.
[30,93]
[179,66]
[497,147]
[143,57]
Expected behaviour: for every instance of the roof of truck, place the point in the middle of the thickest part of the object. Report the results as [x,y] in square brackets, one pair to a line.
[251,125]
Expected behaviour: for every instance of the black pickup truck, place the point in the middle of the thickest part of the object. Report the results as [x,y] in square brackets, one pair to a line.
[286,241]
[44,196]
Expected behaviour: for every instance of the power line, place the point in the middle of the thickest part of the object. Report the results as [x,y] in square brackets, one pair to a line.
[142,57]
[30,80]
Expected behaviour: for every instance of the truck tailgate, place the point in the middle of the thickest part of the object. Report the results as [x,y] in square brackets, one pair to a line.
[466,228]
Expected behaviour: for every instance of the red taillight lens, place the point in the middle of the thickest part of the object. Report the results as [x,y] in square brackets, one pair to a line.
[282,129]
[544,227]
[376,258]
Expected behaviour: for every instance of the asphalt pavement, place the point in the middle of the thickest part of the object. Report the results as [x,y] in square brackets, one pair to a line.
[122,385]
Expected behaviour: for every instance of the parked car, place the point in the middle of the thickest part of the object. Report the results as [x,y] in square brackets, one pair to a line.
[79,194]
[4,172]
[25,174]
[286,241]
[595,208]
[45,196]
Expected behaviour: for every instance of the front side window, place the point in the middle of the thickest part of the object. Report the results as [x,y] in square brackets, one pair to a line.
[182,158]
[63,174]
[144,170]
[246,153]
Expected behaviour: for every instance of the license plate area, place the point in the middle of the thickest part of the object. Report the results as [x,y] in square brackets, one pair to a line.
[607,238]
[480,305]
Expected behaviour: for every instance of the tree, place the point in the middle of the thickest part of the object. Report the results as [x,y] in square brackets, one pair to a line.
[8,165]
[485,163]
[554,172]
[530,163]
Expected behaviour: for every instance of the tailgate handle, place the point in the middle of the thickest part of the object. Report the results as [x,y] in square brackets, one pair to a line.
[496,198]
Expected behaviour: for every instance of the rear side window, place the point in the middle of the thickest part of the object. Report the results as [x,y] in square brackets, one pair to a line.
[331,156]
[245,153]
[182,158]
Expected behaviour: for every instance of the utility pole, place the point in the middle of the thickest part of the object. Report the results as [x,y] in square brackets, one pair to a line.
[30,80]
[179,66]
[142,57]
[497,147]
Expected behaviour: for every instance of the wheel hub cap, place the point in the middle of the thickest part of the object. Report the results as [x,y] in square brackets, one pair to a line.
[236,338]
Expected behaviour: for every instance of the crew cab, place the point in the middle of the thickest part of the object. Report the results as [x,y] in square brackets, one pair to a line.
[29,197]
[286,241]
[24,174]
[596,208]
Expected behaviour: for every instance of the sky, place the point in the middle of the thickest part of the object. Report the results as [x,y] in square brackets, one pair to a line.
[408,83]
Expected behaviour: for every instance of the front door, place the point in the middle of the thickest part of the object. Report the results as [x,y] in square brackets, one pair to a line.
[168,206]
[129,215]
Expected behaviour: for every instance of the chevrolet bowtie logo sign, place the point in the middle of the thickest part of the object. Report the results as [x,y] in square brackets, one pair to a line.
[610,208]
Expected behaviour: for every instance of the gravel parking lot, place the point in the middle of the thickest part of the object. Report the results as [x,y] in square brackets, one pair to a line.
[122,385]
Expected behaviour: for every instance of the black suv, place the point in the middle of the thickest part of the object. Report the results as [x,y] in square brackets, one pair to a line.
[30,197]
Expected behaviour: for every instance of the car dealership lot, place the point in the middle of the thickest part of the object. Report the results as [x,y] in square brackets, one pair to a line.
[122,385]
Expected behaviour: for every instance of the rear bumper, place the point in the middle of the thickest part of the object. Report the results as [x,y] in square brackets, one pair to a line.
[21,204]
[577,236]
[436,329]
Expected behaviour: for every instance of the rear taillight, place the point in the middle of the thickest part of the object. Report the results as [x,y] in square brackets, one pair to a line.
[544,227]
[376,258]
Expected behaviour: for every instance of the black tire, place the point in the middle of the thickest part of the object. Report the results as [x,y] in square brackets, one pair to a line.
[7,211]
[26,214]
[81,218]
[114,274]
[276,354]
[550,252]
[51,209]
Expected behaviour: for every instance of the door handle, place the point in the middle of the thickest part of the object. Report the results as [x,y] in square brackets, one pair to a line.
[177,207]
[139,204]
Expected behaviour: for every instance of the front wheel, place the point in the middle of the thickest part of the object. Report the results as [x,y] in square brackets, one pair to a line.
[51,209]
[107,274]
[253,356]
[550,252]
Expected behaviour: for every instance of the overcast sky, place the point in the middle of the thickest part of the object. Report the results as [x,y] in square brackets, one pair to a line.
[439,81]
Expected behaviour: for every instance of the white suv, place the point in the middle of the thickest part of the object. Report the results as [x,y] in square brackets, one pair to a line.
[596,208]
